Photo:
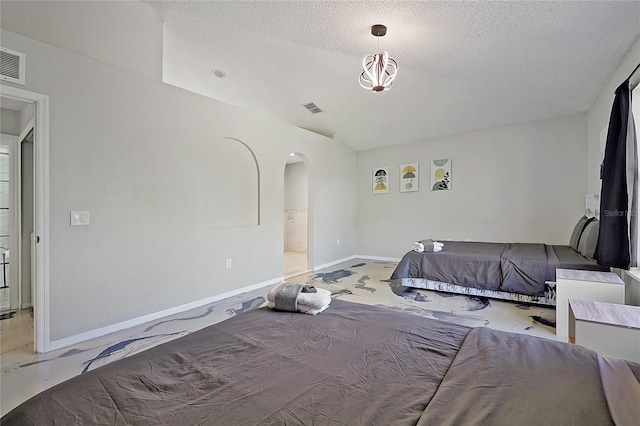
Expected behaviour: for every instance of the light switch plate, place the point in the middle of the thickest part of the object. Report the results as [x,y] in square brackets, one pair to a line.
[79,218]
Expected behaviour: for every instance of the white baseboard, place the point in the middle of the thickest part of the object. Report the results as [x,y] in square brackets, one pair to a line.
[357,256]
[388,259]
[335,262]
[99,332]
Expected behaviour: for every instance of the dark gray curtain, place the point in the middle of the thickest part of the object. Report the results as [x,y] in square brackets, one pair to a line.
[618,197]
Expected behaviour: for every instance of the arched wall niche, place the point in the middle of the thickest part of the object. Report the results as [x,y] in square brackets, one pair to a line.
[230,185]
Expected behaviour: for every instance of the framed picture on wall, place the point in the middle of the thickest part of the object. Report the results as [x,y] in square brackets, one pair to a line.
[381,180]
[409,177]
[441,174]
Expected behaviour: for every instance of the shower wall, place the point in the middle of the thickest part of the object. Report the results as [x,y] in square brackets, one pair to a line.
[295,230]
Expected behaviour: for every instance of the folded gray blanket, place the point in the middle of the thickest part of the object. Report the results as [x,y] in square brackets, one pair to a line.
[310,300]
[286,298]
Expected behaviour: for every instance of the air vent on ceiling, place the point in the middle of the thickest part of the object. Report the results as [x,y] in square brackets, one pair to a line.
[12,66]
[313,108]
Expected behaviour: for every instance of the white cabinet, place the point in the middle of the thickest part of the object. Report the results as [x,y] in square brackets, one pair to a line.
[584,285]
[610,329]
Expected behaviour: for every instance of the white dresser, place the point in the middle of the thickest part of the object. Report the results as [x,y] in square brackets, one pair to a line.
[610,329]
[592,286]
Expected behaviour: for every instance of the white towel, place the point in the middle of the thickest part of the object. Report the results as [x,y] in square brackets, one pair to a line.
[308,303]
[427,245]
[316,300]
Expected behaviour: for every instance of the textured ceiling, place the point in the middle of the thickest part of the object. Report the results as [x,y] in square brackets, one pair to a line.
[463,66]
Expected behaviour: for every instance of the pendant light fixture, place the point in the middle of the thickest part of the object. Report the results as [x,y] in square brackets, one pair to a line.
[379,70]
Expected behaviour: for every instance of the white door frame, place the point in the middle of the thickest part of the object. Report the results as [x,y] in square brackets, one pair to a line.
[18,209]
[40,299]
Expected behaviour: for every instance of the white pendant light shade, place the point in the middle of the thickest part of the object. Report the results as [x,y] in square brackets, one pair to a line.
[379,70]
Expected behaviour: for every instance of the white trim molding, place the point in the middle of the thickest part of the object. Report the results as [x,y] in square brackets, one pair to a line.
[386,259]
[356,256]
[332,263]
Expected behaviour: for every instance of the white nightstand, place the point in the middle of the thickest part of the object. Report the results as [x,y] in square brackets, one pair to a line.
[609,329]
[584,285]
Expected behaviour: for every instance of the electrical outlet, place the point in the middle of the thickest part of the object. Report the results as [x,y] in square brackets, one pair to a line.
[338,241]
[229,263]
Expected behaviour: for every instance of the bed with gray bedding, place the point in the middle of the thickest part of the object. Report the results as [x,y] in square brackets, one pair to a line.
[351,365]
[515,271]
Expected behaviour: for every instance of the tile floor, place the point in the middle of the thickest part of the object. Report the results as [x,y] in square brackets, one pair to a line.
[16,330]
[294,264]
[25,374]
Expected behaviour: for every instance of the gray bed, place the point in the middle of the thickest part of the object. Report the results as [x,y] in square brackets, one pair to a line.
[515,271]
[351,365]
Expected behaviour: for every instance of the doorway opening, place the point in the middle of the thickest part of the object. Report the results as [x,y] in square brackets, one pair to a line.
[8,143]
[16,224]
[34,125]
[296,217]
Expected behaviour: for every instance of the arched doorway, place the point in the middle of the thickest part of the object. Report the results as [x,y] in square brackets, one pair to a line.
[296,216]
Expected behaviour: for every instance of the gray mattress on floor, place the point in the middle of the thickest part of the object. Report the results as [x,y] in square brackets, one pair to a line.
[521,268]
[353,364]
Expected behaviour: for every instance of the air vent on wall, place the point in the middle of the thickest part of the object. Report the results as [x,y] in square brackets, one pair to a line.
[11,66]
[313,108]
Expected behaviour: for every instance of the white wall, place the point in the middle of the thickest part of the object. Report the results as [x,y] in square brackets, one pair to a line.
[128,149]
[524,183]
[599,113]
[296,186]
[109,31]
